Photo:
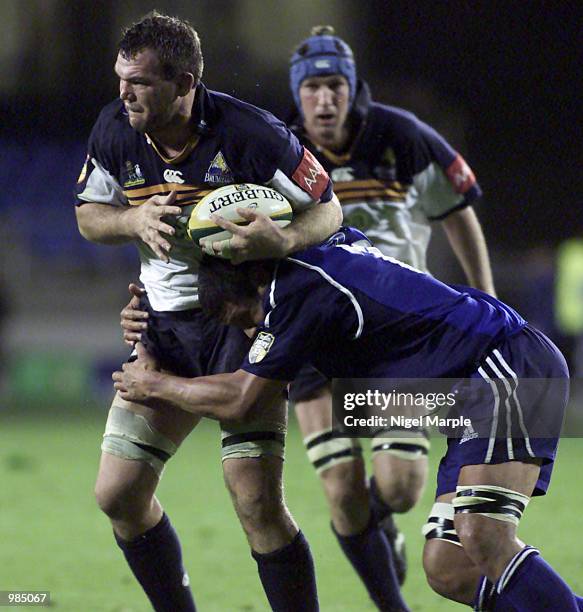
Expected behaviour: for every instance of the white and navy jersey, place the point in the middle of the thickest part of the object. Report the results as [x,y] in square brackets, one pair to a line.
[237,143]
[353,312]
[398,175]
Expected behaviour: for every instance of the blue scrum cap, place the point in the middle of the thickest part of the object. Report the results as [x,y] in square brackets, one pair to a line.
[322,54]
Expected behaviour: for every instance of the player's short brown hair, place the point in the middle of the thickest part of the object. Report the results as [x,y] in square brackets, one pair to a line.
[174,40]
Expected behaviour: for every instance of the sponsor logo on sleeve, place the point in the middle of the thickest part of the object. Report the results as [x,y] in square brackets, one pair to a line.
[460,175]
[310,176]
[260,347]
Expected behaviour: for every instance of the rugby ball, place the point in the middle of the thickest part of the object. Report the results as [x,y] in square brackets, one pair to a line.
[225,201]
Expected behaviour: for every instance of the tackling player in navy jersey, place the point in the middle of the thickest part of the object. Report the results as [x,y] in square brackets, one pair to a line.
[393,175]
[355,313]
[153,153]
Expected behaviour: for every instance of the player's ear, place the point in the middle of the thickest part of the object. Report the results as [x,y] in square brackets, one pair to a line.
[260,274]
[184,83]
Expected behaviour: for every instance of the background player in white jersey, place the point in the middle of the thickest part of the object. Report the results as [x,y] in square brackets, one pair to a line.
[153,154]
[393,175]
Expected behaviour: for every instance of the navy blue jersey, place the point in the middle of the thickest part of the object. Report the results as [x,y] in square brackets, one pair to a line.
[398,175]
[355,313]
[233,142]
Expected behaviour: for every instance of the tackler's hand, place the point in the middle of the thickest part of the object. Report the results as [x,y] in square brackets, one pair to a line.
[136,379]
[133,321]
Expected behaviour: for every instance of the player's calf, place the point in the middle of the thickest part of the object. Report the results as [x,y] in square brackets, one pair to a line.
[448,570]
[283,556]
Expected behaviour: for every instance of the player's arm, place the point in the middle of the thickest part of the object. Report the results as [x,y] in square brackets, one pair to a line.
[467,241]
[106,224]
[224,397]
[447,188]
[312,226]
[264,239]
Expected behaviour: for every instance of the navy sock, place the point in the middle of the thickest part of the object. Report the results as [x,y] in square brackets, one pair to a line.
[530,584]
[370,555]
[288,577]
[155,559]
[378,507]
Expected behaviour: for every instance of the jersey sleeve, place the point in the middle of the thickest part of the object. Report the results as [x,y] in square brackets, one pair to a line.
[97,181]
[442,178]
[313,314]
[285,165]
[286,341]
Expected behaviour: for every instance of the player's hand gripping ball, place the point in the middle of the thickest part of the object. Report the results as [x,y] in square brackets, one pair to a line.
[225,201]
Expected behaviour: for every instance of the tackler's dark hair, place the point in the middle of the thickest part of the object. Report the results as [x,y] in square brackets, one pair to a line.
[220,282]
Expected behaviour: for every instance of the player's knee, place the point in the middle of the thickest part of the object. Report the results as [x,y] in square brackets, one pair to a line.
[401,484]
[485,521]
[402,493]
[478,539]
[344,484]
[256,490]
[346,492]
[119,501]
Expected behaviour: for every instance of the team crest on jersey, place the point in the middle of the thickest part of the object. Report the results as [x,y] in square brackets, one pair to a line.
[218,172]
[133,175]
[260,347]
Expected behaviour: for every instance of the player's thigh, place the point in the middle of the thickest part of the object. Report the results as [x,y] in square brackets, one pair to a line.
[172,423]
[253,453]
[137,443]
[314,413]
[519,476]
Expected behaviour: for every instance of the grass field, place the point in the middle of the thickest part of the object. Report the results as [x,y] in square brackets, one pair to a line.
[52,537]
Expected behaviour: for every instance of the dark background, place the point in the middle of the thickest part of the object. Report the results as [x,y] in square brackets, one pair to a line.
[500,80]
[511,72]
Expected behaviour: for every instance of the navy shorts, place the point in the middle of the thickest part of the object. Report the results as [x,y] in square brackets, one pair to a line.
[190,344]
[523,396]
[306,383]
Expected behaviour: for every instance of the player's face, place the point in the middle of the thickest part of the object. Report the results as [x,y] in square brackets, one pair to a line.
[325,108]
[150,99]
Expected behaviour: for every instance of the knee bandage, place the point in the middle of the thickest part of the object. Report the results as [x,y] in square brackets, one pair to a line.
[129,435]
[440,524]
[494,502]
[408,444]
[253,440]
[325,450]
